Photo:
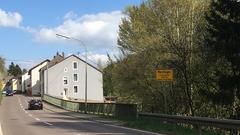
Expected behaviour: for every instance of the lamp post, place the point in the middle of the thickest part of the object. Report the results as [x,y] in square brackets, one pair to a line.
[85,47]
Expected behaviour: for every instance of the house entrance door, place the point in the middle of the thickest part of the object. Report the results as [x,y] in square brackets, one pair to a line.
[65,93]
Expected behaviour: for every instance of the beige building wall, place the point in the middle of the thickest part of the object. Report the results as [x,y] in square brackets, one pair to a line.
[35,79]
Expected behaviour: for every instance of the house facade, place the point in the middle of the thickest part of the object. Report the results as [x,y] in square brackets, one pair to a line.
[16,84]
[25,82]
[35,78]
[66,79]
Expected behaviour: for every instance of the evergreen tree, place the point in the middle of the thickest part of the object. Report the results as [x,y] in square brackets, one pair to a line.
[223,47]
[14,70]
[24,71]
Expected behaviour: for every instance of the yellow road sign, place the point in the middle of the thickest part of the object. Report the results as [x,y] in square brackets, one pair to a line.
[164,75]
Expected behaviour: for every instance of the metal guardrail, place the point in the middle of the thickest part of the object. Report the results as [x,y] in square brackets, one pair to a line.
[106,109]
[197,121]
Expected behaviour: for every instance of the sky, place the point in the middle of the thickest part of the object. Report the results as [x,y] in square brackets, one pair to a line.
[28,29]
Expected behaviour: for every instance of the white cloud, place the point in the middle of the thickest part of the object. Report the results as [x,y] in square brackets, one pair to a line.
[10,19]
[95,30]
[70,15]
[95,58]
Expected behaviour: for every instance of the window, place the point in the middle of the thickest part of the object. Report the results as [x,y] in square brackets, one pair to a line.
[75,89]
[75,65]
[65,80]
[75,77]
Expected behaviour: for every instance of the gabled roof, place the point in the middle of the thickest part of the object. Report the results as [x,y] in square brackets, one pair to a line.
[29,72]
[58,58]
[45,67]
[8,78]
[17,77]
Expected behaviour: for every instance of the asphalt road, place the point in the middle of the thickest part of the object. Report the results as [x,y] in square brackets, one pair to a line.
[15,119]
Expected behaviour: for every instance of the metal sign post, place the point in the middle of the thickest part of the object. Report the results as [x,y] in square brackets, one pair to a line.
[165,75]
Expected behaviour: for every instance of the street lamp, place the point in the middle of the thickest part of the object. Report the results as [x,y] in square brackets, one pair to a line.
[85,47]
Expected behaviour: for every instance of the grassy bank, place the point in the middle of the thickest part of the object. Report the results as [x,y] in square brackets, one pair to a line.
[154,125]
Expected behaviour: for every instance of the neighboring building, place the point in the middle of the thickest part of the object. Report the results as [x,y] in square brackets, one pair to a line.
[16,84]
[7,79]
[35,78]
[56,59]
[66,79]
[25,82]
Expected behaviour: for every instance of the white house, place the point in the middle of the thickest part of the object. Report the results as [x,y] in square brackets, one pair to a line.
[16,83]
[65,79]
[35,78]
[25,82]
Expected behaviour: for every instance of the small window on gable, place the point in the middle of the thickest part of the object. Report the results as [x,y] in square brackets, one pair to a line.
[75,65]
[65,80]
[75,89]
[65,69]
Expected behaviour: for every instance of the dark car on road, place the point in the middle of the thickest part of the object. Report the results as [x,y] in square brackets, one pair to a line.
[35,104]
[8,89]
[9,93]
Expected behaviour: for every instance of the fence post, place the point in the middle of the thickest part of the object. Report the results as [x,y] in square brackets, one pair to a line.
[199,129]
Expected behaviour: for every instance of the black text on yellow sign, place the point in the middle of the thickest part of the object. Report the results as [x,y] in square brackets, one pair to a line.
[164,75]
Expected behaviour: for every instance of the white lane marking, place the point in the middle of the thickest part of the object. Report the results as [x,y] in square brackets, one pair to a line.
[37,119]
[1,133]
[48,123]
[30,115]
[102,134]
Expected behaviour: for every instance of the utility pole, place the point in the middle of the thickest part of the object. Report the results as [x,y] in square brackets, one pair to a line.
[86,73]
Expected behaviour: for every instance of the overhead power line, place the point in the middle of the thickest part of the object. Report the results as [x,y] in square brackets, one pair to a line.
[14,60]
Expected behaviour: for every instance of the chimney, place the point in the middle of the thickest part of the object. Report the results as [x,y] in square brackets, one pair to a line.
[55,56]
